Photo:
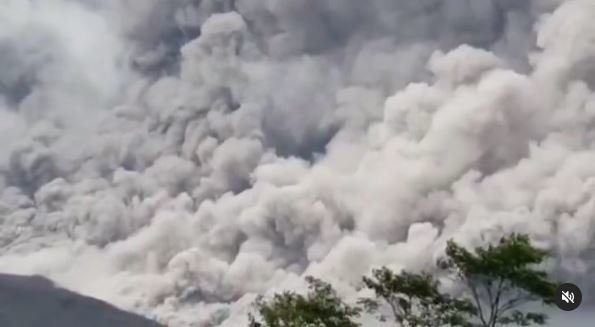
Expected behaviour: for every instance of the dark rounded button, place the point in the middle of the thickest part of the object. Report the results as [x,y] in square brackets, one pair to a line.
[568,297]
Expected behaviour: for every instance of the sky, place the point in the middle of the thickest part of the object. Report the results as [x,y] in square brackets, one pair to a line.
[178,158]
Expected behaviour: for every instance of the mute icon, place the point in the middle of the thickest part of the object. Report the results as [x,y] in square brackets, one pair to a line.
[568,297]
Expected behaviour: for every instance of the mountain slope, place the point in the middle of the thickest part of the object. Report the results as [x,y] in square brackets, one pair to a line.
[36,302]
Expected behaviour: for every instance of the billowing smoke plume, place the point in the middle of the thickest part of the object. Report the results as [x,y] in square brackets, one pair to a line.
[176,158]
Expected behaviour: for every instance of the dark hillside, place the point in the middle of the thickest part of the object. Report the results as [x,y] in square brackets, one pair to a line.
[36,302]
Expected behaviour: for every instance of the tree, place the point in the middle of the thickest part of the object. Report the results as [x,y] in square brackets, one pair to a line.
[321,307]
[414,300]
[501,279]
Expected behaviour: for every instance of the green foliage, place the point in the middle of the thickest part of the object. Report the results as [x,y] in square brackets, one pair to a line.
[414,300]
[321,307]
[502,278]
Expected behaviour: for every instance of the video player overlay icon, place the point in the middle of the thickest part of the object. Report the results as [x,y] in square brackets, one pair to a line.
[568,297]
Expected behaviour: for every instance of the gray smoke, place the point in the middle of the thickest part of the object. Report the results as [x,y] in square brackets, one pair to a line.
[176,158]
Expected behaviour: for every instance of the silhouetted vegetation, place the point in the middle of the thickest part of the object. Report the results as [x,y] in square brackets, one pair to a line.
[496,281]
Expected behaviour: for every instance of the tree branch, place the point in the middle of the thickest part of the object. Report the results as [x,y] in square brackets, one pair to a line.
[477,301]
[488,287]
[496,307]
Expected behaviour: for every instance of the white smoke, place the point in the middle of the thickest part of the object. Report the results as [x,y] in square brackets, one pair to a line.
[176,158]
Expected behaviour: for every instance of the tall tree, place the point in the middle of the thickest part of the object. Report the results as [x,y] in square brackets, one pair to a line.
[502,278]
[414,300]
[321,307]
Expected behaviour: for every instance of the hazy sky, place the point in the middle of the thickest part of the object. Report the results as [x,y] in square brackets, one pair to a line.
[176,158]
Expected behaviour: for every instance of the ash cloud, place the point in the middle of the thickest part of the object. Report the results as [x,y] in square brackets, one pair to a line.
[176,158]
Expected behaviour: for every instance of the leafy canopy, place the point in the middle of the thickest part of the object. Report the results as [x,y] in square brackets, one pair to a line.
[501,279]
[321,307]
[414,300]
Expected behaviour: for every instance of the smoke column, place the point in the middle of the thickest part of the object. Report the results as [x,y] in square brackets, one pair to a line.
[177,158]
